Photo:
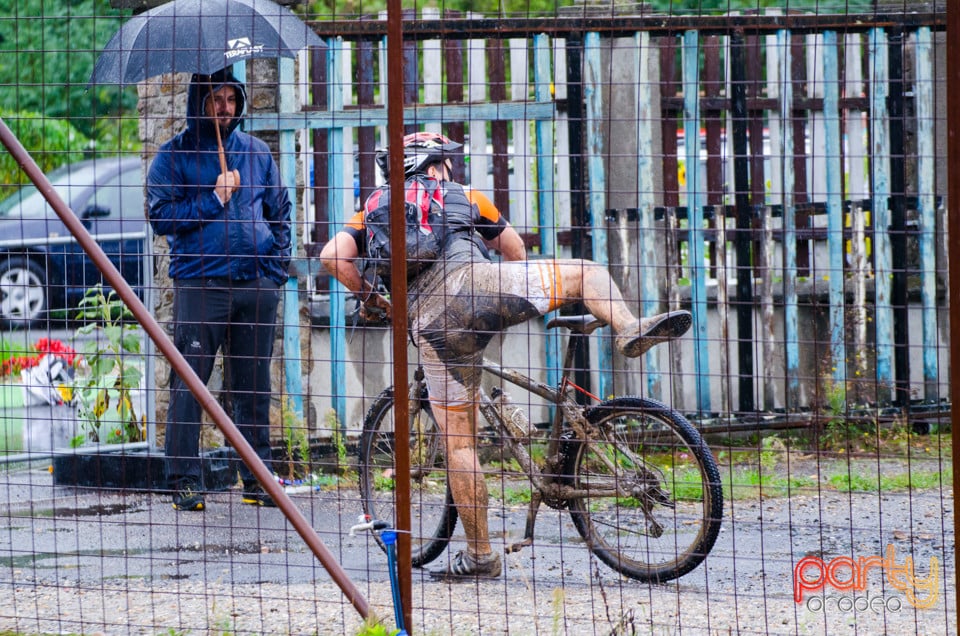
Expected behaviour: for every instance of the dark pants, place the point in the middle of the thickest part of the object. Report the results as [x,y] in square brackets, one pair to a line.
[238,318]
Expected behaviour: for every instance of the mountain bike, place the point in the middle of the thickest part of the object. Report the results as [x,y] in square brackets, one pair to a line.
[640,484]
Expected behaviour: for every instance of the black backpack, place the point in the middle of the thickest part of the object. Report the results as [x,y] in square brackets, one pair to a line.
[423,211]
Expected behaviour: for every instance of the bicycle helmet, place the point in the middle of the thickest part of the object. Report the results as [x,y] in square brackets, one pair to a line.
[420,151]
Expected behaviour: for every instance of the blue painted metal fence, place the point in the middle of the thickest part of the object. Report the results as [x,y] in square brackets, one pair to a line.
[543,117]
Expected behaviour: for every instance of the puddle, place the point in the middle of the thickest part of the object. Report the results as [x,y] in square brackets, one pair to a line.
[61,560]
[242,548]
[98,510]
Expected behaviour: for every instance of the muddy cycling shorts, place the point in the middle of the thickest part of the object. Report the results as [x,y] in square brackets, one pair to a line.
[459,307]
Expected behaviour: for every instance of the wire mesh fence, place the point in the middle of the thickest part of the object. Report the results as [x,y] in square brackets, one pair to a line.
[198,450]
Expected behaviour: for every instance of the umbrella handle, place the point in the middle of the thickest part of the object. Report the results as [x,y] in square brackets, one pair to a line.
[216,126]
[220,153]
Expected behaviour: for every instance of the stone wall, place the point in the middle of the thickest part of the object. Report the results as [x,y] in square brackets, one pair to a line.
[161,107]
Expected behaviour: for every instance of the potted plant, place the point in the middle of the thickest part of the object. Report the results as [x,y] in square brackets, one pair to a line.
[107,384]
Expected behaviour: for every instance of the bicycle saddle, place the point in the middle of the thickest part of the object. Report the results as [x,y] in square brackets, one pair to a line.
[584,323]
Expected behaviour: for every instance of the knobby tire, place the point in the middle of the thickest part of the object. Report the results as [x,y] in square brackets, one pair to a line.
[433,516]
[657,459]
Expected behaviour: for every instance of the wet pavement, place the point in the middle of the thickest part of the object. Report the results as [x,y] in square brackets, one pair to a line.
[62,537]
[103,534]
[62,546]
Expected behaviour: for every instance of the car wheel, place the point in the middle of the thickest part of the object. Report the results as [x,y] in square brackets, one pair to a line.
[23,292]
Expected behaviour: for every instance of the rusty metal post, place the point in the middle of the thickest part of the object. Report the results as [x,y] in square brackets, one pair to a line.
[179,364]
[953,237]
[398,298]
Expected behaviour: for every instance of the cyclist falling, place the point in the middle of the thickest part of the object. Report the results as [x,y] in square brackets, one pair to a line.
[456,306]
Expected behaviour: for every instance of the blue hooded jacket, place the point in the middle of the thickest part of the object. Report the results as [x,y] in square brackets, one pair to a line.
[249,237]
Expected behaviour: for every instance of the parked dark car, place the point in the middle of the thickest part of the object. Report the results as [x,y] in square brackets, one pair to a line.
[42,267]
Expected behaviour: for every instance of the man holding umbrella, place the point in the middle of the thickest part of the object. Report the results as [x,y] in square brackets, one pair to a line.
[226,216]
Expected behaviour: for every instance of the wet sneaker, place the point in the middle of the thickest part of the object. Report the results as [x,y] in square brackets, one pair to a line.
[649,332]
[463,566]
[188,497]
[254,495]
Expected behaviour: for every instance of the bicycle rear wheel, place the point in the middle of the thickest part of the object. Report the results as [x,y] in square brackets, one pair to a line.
[653,504]
[432,513]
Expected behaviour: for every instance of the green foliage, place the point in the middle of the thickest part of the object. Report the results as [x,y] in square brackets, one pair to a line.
[8,351]
[685,483]
[743,481]
[340,9]
[111,371]
[383,483]
[51,143]
[373,626]
[296,441]
[49,50]
[837,430]
[339,441]
[772,450]
[117,134]
[516,495]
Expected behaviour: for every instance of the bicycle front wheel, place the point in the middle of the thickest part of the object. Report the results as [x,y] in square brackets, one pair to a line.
[432,513]
[648,497]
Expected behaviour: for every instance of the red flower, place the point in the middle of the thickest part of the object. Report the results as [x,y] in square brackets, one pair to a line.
[15,364]
[55,347]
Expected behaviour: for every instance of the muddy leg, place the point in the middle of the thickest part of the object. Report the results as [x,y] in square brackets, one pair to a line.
[466,476]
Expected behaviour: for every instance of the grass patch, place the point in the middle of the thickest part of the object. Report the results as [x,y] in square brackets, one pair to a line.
[515,495]
[852,481]
[497,457]
[686,484]
[382,483]
[751,483]
[782,466]
[330,482]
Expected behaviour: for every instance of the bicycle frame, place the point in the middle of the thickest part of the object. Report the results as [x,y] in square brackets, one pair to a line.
[548,482]
[610,462]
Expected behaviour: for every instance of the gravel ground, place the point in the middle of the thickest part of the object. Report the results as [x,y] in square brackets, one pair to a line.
[75,561]
[489,608]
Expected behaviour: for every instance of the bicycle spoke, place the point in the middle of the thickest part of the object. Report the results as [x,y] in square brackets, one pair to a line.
[648,499]
[432,513]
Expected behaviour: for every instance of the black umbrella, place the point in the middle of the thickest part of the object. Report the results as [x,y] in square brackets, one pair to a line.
[200,36]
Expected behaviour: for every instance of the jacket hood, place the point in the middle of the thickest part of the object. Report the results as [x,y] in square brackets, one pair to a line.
[200,88]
